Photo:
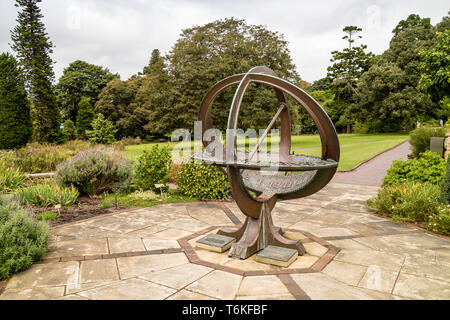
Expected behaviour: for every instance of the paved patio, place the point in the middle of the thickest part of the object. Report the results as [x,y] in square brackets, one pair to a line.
[150,253]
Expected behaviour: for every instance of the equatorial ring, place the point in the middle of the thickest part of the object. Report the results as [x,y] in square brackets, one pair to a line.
[242,169]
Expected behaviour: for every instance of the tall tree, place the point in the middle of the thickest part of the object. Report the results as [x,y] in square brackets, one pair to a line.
[117,102]
[80,79]
[435,72]
[155,98]
[156,55]
[206,54]
[347,68]
[387,98]
[33,48]
[15,122]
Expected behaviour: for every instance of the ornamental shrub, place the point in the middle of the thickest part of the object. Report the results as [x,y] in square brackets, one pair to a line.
[47,194]
[409,201]
[444,196]
[202,181]
[153,167]
[420,138]
[94,171]
[440,223]
[10,179]
[102,131]
[430,167]
[23,239]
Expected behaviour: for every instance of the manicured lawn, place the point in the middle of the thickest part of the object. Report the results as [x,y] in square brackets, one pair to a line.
[355,148]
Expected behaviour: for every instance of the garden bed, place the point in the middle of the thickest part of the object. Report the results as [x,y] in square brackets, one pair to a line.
[86,207]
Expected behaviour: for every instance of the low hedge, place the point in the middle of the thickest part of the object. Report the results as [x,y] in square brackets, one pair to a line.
[202,181]
[420,138]
[428,168]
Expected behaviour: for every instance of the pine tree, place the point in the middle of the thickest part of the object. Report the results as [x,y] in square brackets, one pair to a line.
[33,48]
[15,122]
[84,117]
[348,66]
[102,131]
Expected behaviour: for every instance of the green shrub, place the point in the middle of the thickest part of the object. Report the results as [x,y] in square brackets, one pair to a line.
[420,138]
[430,167]
[444,196]
[69,131]
[361,128]
[23,239]
[102,131]
[37,158]
[95,171]
[153,167]
[440,223]
[47,215]
[10,179]
[85,115]
[45,195]
[410,201]
[202,181]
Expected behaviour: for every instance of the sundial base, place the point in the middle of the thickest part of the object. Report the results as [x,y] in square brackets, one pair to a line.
[257,234]
[215,242]
[278,256]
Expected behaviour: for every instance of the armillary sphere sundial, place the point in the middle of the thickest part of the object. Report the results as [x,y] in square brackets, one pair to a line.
[245,173]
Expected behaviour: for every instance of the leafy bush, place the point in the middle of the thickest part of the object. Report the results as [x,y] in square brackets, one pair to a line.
[361,128]
[440,223]
[37,158]
[420,138]
[444,196]
[410,201]
[102,131]
[23,239]
[430,167]
[10,179]
[94,171]
[153,167]
[47,215]
[45,195]
[202,181]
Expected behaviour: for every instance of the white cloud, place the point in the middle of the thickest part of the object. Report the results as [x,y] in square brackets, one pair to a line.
[120,34]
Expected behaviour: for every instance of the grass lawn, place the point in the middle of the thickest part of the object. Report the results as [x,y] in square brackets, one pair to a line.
[355,148]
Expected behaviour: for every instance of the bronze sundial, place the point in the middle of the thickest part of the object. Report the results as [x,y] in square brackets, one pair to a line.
[245,170]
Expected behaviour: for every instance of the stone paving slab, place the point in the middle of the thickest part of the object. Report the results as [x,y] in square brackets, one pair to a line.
[150,253]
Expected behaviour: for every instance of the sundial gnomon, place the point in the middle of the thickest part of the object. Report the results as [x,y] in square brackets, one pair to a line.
[245,170]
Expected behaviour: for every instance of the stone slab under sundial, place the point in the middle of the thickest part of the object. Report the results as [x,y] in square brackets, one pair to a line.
[216,242]
[278,256]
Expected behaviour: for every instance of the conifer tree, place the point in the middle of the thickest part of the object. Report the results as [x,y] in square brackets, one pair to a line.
[33,48]
[15,122]
[84,117]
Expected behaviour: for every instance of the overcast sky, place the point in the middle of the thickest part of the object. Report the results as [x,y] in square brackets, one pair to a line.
[120,34]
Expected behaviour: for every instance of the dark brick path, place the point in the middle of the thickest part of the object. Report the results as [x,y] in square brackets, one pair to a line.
[373,172]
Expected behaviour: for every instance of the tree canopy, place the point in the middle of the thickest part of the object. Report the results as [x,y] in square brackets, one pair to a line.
[80,79]
[206,54]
